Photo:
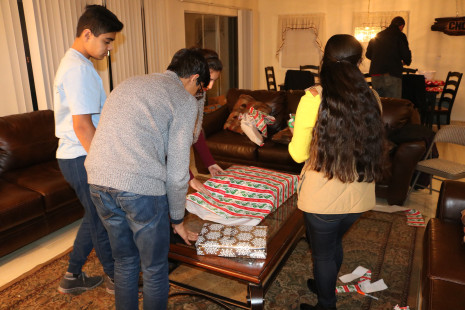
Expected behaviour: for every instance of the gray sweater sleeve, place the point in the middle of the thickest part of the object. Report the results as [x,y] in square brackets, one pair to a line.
[180,136]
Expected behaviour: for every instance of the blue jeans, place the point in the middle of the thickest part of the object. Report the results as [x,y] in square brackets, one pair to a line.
[91,234]
[326,232]
[139,231]
[387,85]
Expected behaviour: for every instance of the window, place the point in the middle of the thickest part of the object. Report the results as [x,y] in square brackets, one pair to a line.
[299,39]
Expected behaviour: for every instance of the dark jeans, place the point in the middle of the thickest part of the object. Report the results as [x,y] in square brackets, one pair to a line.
[139,231]
[91,234]
[326,232]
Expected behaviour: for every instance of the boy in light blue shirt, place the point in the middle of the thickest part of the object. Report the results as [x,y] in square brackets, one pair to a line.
[78,100]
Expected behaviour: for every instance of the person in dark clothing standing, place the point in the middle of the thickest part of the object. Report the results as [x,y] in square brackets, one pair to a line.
[389,52]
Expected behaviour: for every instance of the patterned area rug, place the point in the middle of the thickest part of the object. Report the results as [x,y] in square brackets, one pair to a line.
[381,242]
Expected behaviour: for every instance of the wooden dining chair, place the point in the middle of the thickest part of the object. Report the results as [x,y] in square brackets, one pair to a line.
[446,101]
[270,79]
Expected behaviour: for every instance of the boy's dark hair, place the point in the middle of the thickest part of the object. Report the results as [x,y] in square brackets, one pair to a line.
[190,61]
[98,19]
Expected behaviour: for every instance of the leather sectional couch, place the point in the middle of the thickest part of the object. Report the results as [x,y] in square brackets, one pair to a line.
[35,199]
[443,272]
[232,148]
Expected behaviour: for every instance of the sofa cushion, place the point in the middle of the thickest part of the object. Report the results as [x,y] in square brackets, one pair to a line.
[275,152]
[243,104]
[283,136]
[444,252]
[18,205]
[47,180]
[276,100]
[231,145]
[22,144]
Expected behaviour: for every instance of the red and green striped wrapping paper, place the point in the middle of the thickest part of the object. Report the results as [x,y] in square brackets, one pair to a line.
[414,218]
[246,192]
[261,120]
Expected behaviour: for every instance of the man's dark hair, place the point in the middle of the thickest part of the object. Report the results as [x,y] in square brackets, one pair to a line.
[397,21]
[98,19]
[190,61]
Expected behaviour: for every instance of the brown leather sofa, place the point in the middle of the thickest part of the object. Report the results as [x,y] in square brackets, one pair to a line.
[232,148]
[443,272]
[35,199]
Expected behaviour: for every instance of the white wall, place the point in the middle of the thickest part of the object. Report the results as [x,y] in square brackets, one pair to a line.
[431,50]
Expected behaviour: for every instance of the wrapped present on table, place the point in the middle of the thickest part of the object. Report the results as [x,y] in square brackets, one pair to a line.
[433,83]
[232,241]
[242,195]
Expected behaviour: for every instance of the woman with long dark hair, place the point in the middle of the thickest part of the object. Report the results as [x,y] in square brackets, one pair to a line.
[339,134]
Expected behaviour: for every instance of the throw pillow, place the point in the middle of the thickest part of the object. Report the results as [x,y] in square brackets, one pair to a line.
[243,104]
[284,136]
[214,103]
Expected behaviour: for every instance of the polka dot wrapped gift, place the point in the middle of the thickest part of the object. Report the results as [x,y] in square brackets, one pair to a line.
[232,241]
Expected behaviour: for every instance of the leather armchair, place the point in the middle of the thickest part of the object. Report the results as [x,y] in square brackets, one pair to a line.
[443,273]
[394,187]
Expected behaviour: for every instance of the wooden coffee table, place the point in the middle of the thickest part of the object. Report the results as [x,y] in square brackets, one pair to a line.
[285,228]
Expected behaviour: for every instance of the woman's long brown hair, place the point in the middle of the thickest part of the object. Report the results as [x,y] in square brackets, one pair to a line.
[348,138]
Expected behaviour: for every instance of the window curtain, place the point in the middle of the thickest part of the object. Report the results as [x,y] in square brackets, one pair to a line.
[301,48]
[245,48]
[17,88]
[51,28]
[128,57]
[378,19]
[313,22]
[158,55]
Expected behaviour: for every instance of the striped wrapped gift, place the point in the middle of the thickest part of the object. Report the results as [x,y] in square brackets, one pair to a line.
[242,195]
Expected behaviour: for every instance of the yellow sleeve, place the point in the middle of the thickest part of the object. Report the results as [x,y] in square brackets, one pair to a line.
[305,119]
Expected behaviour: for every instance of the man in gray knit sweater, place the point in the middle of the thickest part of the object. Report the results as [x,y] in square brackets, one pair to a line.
[138,170]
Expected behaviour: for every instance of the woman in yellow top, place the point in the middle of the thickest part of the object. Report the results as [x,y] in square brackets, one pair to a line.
[339,134]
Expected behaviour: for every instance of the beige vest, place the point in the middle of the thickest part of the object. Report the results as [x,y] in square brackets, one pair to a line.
[319,195]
